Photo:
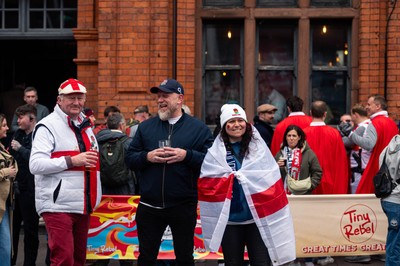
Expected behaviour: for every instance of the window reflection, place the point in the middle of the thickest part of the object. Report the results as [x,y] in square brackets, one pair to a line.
[329,45]
[11,20]
[274,3]
[222,3]
[276,60]
[222,66]
[331,88]
[221,49]
[221,87]
[330,3]
[330,58]
[274,87]
[276,46]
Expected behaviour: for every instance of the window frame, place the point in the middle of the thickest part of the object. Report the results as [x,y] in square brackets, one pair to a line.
[304,13]
[24,30]
[335,69]
[216,67]
[293,69]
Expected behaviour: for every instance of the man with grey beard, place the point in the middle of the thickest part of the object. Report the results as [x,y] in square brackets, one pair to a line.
[167,152]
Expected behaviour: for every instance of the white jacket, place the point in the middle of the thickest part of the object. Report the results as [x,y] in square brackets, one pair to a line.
[59,188]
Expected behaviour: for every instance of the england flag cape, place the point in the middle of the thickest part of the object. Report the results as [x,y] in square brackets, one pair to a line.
[261,181]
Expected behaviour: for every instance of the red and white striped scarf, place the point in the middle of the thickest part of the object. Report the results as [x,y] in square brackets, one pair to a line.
[260,179]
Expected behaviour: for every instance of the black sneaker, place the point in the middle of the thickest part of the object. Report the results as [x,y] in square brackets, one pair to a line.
[358,259]
[380,257]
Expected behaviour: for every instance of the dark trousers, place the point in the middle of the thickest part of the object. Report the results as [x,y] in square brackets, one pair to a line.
[105,262]
[151,224]
[236,237]
[25,211]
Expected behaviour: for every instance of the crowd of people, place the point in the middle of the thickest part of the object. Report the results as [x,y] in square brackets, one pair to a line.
[54,166]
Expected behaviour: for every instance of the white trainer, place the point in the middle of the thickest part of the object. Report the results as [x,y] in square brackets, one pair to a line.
[325,261]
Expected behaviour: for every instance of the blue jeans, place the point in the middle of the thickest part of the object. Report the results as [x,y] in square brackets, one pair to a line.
[392,211]
[5,238]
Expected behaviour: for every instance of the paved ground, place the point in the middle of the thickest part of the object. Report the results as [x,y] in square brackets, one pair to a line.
[42,255]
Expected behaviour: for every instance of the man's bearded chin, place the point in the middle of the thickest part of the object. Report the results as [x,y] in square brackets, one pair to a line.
[164,115]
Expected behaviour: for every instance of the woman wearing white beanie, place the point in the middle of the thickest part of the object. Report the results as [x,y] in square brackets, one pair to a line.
[241,196]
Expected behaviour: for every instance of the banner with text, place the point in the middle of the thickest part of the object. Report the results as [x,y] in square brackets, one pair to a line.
[335,225]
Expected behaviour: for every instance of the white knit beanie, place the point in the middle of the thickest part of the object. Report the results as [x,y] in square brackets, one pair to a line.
[229,111]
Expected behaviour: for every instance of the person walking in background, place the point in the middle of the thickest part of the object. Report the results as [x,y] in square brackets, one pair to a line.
[296,117]
[263,121]
[167,151]
[376,137]
[8,171]
[235,211]
[31,97]
[297,161]
[24,193]
[65,162]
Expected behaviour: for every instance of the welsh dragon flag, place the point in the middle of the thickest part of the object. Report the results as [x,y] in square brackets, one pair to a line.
[260,179]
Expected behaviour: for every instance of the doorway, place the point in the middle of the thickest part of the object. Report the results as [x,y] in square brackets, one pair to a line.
[43,64]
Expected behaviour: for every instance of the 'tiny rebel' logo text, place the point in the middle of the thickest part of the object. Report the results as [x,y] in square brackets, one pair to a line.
[358,223]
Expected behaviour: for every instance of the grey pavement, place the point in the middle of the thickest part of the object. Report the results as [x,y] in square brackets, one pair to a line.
[42,255]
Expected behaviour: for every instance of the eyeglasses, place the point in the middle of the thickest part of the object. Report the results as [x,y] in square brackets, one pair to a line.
[80,98]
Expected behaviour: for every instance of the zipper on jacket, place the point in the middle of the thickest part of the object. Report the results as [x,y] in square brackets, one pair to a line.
[82,148]
[170,130]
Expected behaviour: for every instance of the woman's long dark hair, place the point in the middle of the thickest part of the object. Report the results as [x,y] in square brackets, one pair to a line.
[2,116]
[299,131]
[244,144]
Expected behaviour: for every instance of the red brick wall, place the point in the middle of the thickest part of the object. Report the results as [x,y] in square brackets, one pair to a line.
[134,51]
[373,16]
[125,47]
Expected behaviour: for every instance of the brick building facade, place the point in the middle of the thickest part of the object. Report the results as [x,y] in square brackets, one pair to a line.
[339,51]
[125,47]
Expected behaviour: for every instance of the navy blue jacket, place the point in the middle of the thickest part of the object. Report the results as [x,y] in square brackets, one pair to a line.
[167,185]
[266,130]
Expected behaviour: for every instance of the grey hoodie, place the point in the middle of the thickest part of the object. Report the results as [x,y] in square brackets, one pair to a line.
[393,163]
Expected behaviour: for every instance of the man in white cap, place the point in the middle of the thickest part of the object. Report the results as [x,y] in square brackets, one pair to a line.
[64,160]
[263,120]
[168,151]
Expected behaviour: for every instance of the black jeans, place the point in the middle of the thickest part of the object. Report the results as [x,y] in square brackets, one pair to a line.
[236,237]
[25,211]
[151,224]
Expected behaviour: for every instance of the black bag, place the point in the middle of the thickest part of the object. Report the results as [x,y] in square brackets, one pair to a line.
[383,182]
[113,170]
